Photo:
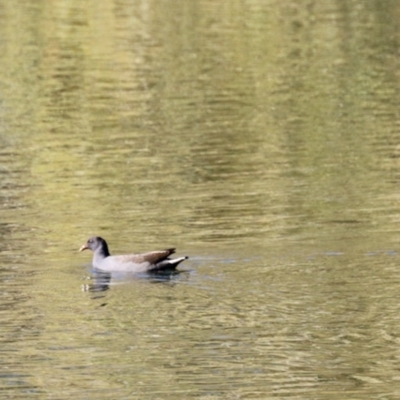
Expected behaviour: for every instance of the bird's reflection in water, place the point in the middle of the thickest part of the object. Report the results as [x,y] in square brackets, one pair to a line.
[101,280]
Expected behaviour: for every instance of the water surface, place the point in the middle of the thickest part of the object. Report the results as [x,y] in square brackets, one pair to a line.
[259,138]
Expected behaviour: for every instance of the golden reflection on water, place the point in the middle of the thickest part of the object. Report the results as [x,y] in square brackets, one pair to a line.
[259,139]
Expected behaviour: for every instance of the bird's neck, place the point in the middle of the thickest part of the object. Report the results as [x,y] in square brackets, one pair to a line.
[102,252]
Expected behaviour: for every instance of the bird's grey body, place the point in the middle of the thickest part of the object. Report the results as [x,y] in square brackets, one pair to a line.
[154,261]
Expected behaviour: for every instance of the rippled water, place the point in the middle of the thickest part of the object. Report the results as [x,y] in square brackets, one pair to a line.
[259,138]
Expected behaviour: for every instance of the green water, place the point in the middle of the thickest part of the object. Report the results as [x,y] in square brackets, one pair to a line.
[259,138]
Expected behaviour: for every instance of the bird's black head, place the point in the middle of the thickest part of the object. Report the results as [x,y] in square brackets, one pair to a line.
[96,244]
